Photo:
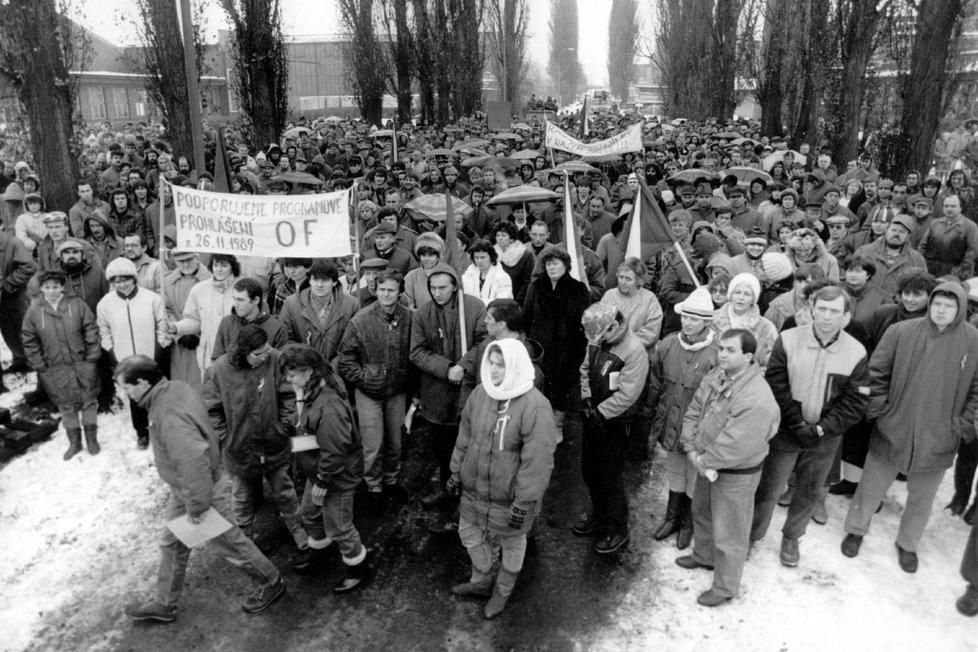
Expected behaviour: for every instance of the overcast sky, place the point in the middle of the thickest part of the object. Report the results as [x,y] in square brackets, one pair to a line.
[320,17]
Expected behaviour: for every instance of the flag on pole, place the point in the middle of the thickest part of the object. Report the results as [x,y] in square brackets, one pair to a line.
[452,254]
[647,228]
[572,237]
[222,167]
[584,128]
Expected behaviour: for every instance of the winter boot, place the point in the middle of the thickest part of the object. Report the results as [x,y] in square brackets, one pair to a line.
[356,574]
[685,536]
[74,443]
[964,475]
[474,588]
[505,581]
[670,525]
[91,440]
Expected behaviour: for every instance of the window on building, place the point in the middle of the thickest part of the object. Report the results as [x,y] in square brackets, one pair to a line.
[139,108]
[96,103]
[120,102]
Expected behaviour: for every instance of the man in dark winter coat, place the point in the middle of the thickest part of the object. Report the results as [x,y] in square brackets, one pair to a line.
[373,357]
[437,352]
[188,458]
[936,356]
[247,296]
[819,377]
[16,269]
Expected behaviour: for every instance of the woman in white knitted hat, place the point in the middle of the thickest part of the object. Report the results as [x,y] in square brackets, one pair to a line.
[742,311]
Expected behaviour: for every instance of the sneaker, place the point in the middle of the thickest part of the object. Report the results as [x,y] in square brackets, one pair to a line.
[789,552]
[611,543]
[264,596]
[586,526]
[710,598]
[689,563]
[851,544]
[154,612]
[907,559]
[967,604]
[319,544]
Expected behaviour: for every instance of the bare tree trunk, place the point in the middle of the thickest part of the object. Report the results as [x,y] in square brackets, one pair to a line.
[806,128]
[724,55]
[929,83]
[32,58]
[165,62]
[403,61]
[858,21]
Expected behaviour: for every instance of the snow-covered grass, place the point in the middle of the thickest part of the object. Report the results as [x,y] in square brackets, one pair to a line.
[77,542]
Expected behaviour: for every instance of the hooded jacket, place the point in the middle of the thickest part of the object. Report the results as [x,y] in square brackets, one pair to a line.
[325,413]
[436,347]
[822,258]
[253,411]
[62,345]
[16,265]
[614,374]
[504,452]
[924,389]
[110,247]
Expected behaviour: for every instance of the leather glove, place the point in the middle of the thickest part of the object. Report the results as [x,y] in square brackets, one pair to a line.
[517,517]
[318,493]
[191,341]
[453,487]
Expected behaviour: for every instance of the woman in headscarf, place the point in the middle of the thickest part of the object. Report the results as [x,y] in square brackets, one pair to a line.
[741,311]
[428,249]
[501,467]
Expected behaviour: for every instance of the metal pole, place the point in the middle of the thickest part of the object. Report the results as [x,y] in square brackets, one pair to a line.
[193,91]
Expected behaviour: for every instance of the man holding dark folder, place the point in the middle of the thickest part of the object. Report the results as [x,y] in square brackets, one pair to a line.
[188,458]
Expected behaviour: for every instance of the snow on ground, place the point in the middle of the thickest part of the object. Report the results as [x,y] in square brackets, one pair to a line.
[78,540]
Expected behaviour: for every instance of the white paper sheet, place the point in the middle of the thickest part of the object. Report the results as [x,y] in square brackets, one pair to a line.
[211,525]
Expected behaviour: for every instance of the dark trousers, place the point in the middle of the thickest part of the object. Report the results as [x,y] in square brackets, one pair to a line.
[13,307]
[969,561]
[603,452]
[140,419]
[964,468]
[811,466]
[442,444]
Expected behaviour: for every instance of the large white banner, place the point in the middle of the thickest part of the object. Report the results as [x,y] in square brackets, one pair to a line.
[629,140]
[274,226]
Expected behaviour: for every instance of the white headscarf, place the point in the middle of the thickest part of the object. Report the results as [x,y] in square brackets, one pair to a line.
[519,370]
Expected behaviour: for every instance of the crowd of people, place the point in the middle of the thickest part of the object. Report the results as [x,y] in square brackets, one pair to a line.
[812,336]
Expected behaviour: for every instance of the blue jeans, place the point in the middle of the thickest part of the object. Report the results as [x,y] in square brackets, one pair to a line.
[333,519]
[380,430]
[722,512]
[811,467]
[244,490]
[233,544]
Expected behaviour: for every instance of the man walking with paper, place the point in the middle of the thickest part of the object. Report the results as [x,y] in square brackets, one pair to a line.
[188,458]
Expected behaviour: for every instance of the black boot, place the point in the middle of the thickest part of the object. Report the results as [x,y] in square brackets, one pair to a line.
[964,475]
[355,576]
[685,536]
[670,525]
[74,443]
[91,440]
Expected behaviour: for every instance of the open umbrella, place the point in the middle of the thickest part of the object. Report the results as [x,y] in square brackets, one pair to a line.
[778,156]
[739,142]
[522,195]
[692,176]
[506,136]
[522,125]
[575,166]
[525,155]
[441,151]
[678,121]
[857,173]
[301,178]
[333,118]
[432,207]
[727,135]
[382,133]
[471,153]
[746,175]
[503,162]
[472,143]
[295,132]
